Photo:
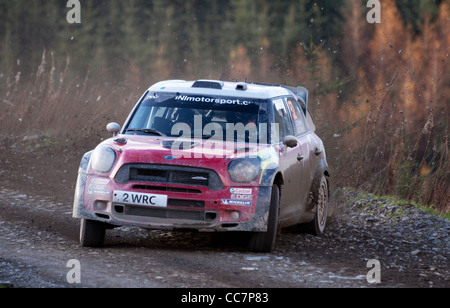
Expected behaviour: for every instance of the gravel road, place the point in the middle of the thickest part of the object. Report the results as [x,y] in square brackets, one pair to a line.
[38,237]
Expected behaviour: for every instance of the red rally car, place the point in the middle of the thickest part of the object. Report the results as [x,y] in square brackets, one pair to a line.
[210,156]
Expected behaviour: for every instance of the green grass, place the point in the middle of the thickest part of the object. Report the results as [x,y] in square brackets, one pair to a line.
[402,203]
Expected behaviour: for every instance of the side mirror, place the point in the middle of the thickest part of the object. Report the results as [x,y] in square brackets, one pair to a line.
[290,141]
[113,128]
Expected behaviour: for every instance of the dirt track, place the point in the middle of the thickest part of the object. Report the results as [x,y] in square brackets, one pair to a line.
[38,236]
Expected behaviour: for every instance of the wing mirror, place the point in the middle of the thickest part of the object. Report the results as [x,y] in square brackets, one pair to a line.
[290,141]
[113,128]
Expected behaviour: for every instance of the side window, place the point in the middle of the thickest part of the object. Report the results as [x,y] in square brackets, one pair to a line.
[282,119]
[297,115]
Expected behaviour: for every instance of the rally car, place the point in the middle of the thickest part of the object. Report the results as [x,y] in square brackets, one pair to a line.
[208,155]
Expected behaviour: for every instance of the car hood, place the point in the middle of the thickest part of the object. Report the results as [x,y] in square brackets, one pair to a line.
[177,151]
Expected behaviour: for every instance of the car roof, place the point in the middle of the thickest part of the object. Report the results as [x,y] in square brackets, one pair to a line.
[221,88]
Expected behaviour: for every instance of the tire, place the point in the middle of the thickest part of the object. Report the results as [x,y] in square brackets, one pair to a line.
[265,241]
[92,233]
[321,204]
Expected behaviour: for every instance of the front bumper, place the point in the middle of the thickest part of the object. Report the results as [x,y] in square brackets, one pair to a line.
[188,207]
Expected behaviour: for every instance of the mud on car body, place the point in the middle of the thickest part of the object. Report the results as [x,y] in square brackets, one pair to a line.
[210,156]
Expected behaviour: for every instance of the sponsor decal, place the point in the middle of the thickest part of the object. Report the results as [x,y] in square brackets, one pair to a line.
[241,197]
[98,186]
[92,190]
[236,202]
[221,101]
[241,191]
[100,181]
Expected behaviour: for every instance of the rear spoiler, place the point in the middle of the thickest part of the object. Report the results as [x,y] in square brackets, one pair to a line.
[302,94]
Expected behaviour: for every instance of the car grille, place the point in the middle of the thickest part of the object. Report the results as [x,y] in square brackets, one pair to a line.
[186,203]
[165,213]
[181,175]
[168,189]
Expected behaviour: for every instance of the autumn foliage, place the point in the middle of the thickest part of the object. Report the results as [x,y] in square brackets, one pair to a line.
[395,120]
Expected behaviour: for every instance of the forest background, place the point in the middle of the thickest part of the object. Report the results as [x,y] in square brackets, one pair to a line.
[379,92]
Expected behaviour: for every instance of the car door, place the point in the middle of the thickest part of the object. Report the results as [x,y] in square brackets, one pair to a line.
[301,172]
[290,162]
[305,139]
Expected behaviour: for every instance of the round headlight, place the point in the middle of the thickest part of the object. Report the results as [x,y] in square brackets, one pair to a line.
[244,170]
[103,159]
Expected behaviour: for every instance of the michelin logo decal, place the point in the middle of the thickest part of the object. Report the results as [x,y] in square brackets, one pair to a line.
[236,202]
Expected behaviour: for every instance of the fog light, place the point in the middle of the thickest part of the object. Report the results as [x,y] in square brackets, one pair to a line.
[100,205]
[235,215]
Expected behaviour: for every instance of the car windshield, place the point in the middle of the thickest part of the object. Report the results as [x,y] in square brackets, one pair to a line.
[200,117]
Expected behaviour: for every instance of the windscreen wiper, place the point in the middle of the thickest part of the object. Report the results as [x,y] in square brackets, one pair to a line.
[146,131]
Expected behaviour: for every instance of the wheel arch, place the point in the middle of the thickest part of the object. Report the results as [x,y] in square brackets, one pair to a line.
[321,170]
[278,180]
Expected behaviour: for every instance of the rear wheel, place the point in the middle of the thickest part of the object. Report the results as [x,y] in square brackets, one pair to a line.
[92,233]
[317,226]
[265,241]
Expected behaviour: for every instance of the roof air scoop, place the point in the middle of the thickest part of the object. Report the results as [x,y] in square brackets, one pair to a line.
[209,84]
[241,86]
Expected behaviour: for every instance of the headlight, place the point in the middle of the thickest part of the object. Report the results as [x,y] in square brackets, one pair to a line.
[103,159]
[244,170]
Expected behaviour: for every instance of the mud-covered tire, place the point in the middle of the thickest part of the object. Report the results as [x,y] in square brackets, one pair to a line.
[92,233]
[321,203]
[265,241]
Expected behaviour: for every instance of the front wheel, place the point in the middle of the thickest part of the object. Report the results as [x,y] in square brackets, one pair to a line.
[92,233]
[265,241]
[317,226]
